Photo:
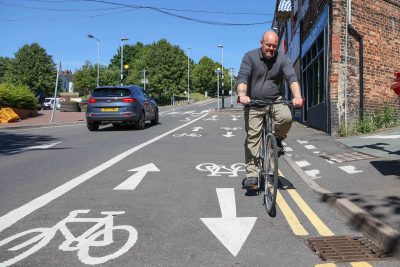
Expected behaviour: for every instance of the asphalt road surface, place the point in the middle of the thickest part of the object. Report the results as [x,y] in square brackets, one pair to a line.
[168,195]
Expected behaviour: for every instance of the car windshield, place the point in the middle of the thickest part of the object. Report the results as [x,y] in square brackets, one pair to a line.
[111,92]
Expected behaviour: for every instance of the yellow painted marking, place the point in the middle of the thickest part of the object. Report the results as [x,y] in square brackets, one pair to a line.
[326,265]
[291,218]
[361,264]
[314,219]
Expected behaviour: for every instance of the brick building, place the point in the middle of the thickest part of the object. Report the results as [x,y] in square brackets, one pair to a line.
[345,53]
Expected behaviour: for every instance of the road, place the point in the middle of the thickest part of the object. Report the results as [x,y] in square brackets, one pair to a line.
[168,195]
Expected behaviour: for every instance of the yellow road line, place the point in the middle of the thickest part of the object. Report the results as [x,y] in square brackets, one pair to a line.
[325,265]
[361,264]
[291,218]
[314,219]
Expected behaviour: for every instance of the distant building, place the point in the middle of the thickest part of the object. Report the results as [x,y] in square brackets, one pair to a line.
[66,81]
[345,52]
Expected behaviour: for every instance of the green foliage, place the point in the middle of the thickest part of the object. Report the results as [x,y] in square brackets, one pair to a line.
[204,76]
[85,79]
[4,66]
[385,118]
[32,67]
[17,96]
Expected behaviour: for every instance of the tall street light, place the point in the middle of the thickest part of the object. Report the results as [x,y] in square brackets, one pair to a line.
[122,57]
[231,69]
[222,66]
[98,56]
[188,87]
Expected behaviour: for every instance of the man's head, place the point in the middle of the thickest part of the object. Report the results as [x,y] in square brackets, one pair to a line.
[269,44]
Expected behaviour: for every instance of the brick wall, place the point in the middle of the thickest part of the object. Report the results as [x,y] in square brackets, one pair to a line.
[378,21]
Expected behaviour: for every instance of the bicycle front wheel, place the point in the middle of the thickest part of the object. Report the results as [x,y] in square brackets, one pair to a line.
[271,175]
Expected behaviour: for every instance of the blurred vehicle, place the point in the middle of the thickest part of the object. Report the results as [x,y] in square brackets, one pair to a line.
[49,103]
[120,105]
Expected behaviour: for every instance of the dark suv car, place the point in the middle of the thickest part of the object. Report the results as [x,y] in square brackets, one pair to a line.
[120,105]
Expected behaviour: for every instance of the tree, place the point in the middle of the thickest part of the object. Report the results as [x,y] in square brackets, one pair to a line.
[131,52]
[85,78]
[204,76]
[4,66]
[32,67]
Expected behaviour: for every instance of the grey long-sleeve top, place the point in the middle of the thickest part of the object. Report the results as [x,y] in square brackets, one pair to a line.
[264,77]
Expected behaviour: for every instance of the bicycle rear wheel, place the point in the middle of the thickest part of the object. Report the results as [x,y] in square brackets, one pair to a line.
[271,174]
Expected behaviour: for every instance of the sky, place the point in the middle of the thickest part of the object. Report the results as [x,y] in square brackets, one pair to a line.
[61,27]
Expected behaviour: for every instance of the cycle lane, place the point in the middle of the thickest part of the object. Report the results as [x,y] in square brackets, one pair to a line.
[167,206]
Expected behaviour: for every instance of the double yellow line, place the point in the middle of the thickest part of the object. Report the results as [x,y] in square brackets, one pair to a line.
[298,228]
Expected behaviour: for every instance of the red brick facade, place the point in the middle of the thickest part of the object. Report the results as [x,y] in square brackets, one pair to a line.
[378,22]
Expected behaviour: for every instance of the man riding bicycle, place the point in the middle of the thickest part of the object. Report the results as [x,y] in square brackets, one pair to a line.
[260,76]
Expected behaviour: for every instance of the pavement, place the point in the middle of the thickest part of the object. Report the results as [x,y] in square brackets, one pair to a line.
[370,200]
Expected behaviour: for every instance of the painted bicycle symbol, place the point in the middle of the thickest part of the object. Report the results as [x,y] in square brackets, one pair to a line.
[217,170]
[187,135]
[99,235]
[231,128]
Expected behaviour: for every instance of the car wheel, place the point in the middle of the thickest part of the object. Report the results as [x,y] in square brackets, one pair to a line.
[93,126]
[141,123]
[155,121]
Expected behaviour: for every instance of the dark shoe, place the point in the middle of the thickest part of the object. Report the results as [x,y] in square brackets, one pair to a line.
[250,182]
[281,150]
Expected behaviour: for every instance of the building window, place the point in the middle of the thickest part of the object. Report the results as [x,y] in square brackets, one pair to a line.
[313,73]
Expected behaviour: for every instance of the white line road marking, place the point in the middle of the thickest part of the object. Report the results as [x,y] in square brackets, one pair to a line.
[350,169]
[316,152]
[132,182]
[230,230]
[379,136]
[228,134]
[19,213]
[40,146]
[302,141]
[314,174]
[196,129]
[310,147]
[286,148]
[302,163]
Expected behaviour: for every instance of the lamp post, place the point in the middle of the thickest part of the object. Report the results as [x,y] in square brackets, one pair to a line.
[231,69]
[222,66]
[188,87]
[218,71]
[122,57]
[98,56]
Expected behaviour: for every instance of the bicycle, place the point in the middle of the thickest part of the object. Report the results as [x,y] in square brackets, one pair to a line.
[267,162]
[104,228]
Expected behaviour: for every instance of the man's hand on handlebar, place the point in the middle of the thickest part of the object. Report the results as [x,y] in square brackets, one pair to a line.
[243,100]
[297,102]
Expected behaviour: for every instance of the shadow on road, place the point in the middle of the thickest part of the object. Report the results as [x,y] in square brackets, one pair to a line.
[387,167]
[12,143]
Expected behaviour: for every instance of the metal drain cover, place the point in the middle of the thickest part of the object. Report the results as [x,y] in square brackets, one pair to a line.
[345,157]
[346,248]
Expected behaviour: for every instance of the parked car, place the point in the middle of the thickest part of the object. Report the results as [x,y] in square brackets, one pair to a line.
[49,103]
[120,105]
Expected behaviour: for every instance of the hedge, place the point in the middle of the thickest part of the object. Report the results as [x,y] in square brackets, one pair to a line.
[17,96]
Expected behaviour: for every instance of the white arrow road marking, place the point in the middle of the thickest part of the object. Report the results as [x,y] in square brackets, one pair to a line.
[234,119]
[40,146]
[303,163]
[395,136]
[350,169]
[228,134]
[39,202]
[302,141]
[310,147]
[213,118]
[230,230]
[132,182]
[196,129]
[313,174]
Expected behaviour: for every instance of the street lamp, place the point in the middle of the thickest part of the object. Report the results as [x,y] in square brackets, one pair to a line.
[188,87]
[231,69]
[98,56]
[218,71]
[222,66]
[122,57]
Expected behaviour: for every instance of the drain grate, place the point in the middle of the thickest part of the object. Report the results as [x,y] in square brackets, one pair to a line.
[346,248]
[345,157]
